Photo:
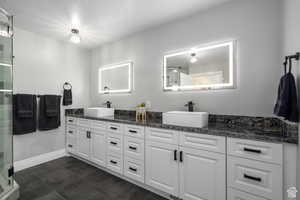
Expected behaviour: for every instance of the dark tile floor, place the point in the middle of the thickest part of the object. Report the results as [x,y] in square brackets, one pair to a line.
[70,179]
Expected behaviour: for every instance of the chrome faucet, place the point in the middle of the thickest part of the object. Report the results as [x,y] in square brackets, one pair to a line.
[108,104]
[190,106]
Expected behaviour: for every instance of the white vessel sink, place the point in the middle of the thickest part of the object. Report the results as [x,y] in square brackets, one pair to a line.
[99,112]
[189,119]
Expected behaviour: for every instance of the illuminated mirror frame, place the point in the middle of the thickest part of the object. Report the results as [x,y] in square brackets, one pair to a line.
[232,63]
[108,91]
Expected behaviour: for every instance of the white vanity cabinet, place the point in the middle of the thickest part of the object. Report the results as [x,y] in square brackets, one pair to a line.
[162,166]
[114,145]
[83,143]
[134,152]
[87,139]
[255,168]
[190,172]
[98,144]
[189,166]
[202,175]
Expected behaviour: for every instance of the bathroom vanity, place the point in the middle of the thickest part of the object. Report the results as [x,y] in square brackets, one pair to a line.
[214,163]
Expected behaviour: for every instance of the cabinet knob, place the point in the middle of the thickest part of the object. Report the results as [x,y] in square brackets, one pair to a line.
[133,148]
[258,179]
[175,155]
[181,156]
[113,162]
[133,169]
[252,150]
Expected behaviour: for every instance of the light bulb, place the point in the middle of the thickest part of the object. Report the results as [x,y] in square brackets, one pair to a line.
[175,87]
[193,60]
[75,38]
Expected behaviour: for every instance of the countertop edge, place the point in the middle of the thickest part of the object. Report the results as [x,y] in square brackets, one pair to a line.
[205,131]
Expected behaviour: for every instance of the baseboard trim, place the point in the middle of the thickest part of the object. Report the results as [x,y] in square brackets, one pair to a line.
[37,160]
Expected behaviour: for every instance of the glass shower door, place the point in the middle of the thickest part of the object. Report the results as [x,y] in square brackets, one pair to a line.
[6,153]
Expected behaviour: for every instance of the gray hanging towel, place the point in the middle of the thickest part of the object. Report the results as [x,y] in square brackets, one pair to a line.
[24,114]
[49,112]
[287,104]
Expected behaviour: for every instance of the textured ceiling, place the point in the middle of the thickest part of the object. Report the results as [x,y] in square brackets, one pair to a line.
[99,21]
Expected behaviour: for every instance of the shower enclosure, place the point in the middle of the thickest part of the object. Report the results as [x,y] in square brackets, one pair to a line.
[6,63]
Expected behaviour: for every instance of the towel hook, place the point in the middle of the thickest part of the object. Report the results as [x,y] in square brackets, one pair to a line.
[67,84]
[295,56]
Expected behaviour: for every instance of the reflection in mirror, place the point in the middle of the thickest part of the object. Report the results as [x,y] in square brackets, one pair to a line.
[115,78]
[203,68]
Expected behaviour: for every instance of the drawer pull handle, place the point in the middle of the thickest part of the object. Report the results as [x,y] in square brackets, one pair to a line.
[113,143]
[133,169]
[113,128]
[175,155]
[70,145]
[71,132]
[181,156]
[70,120]
[252,150]
[88,134]
[113,162]
[252,178]
[132,131]
[133,148]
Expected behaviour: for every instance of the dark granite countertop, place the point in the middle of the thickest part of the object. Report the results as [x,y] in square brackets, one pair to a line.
[218,129]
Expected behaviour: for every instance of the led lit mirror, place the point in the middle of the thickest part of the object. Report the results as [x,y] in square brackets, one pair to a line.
[209,67]
[115,78]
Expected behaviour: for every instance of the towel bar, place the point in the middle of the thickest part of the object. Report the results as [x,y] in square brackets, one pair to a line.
[38,96]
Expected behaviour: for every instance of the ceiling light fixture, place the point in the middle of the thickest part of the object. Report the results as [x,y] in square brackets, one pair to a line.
[193,58]
[75,37]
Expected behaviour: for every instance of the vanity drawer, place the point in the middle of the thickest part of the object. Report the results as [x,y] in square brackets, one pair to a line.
[115,128]
[114,144]
[162,135]
[256,150]
[71,131]
[71,121]
[135,131]
[255,177]
[84,123]
[98,125]
[239,195]
[134,169]
[71,144]
[134,148]
[203,142]
[115,163]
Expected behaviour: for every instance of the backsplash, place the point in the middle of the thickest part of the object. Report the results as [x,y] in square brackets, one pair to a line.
[268,124]
[74,111]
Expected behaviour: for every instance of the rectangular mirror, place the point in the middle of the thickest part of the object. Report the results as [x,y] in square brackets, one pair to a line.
[210,67]
[115,78]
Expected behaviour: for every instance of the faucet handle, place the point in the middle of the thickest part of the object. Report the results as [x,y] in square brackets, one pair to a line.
[108,104]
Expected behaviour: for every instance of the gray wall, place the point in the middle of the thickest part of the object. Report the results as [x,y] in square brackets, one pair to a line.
[42,65]
[255,25]
[291,44]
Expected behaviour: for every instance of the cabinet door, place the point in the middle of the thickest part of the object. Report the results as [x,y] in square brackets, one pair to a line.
[83,143]
[202,175]
[162,167]
[98,147]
